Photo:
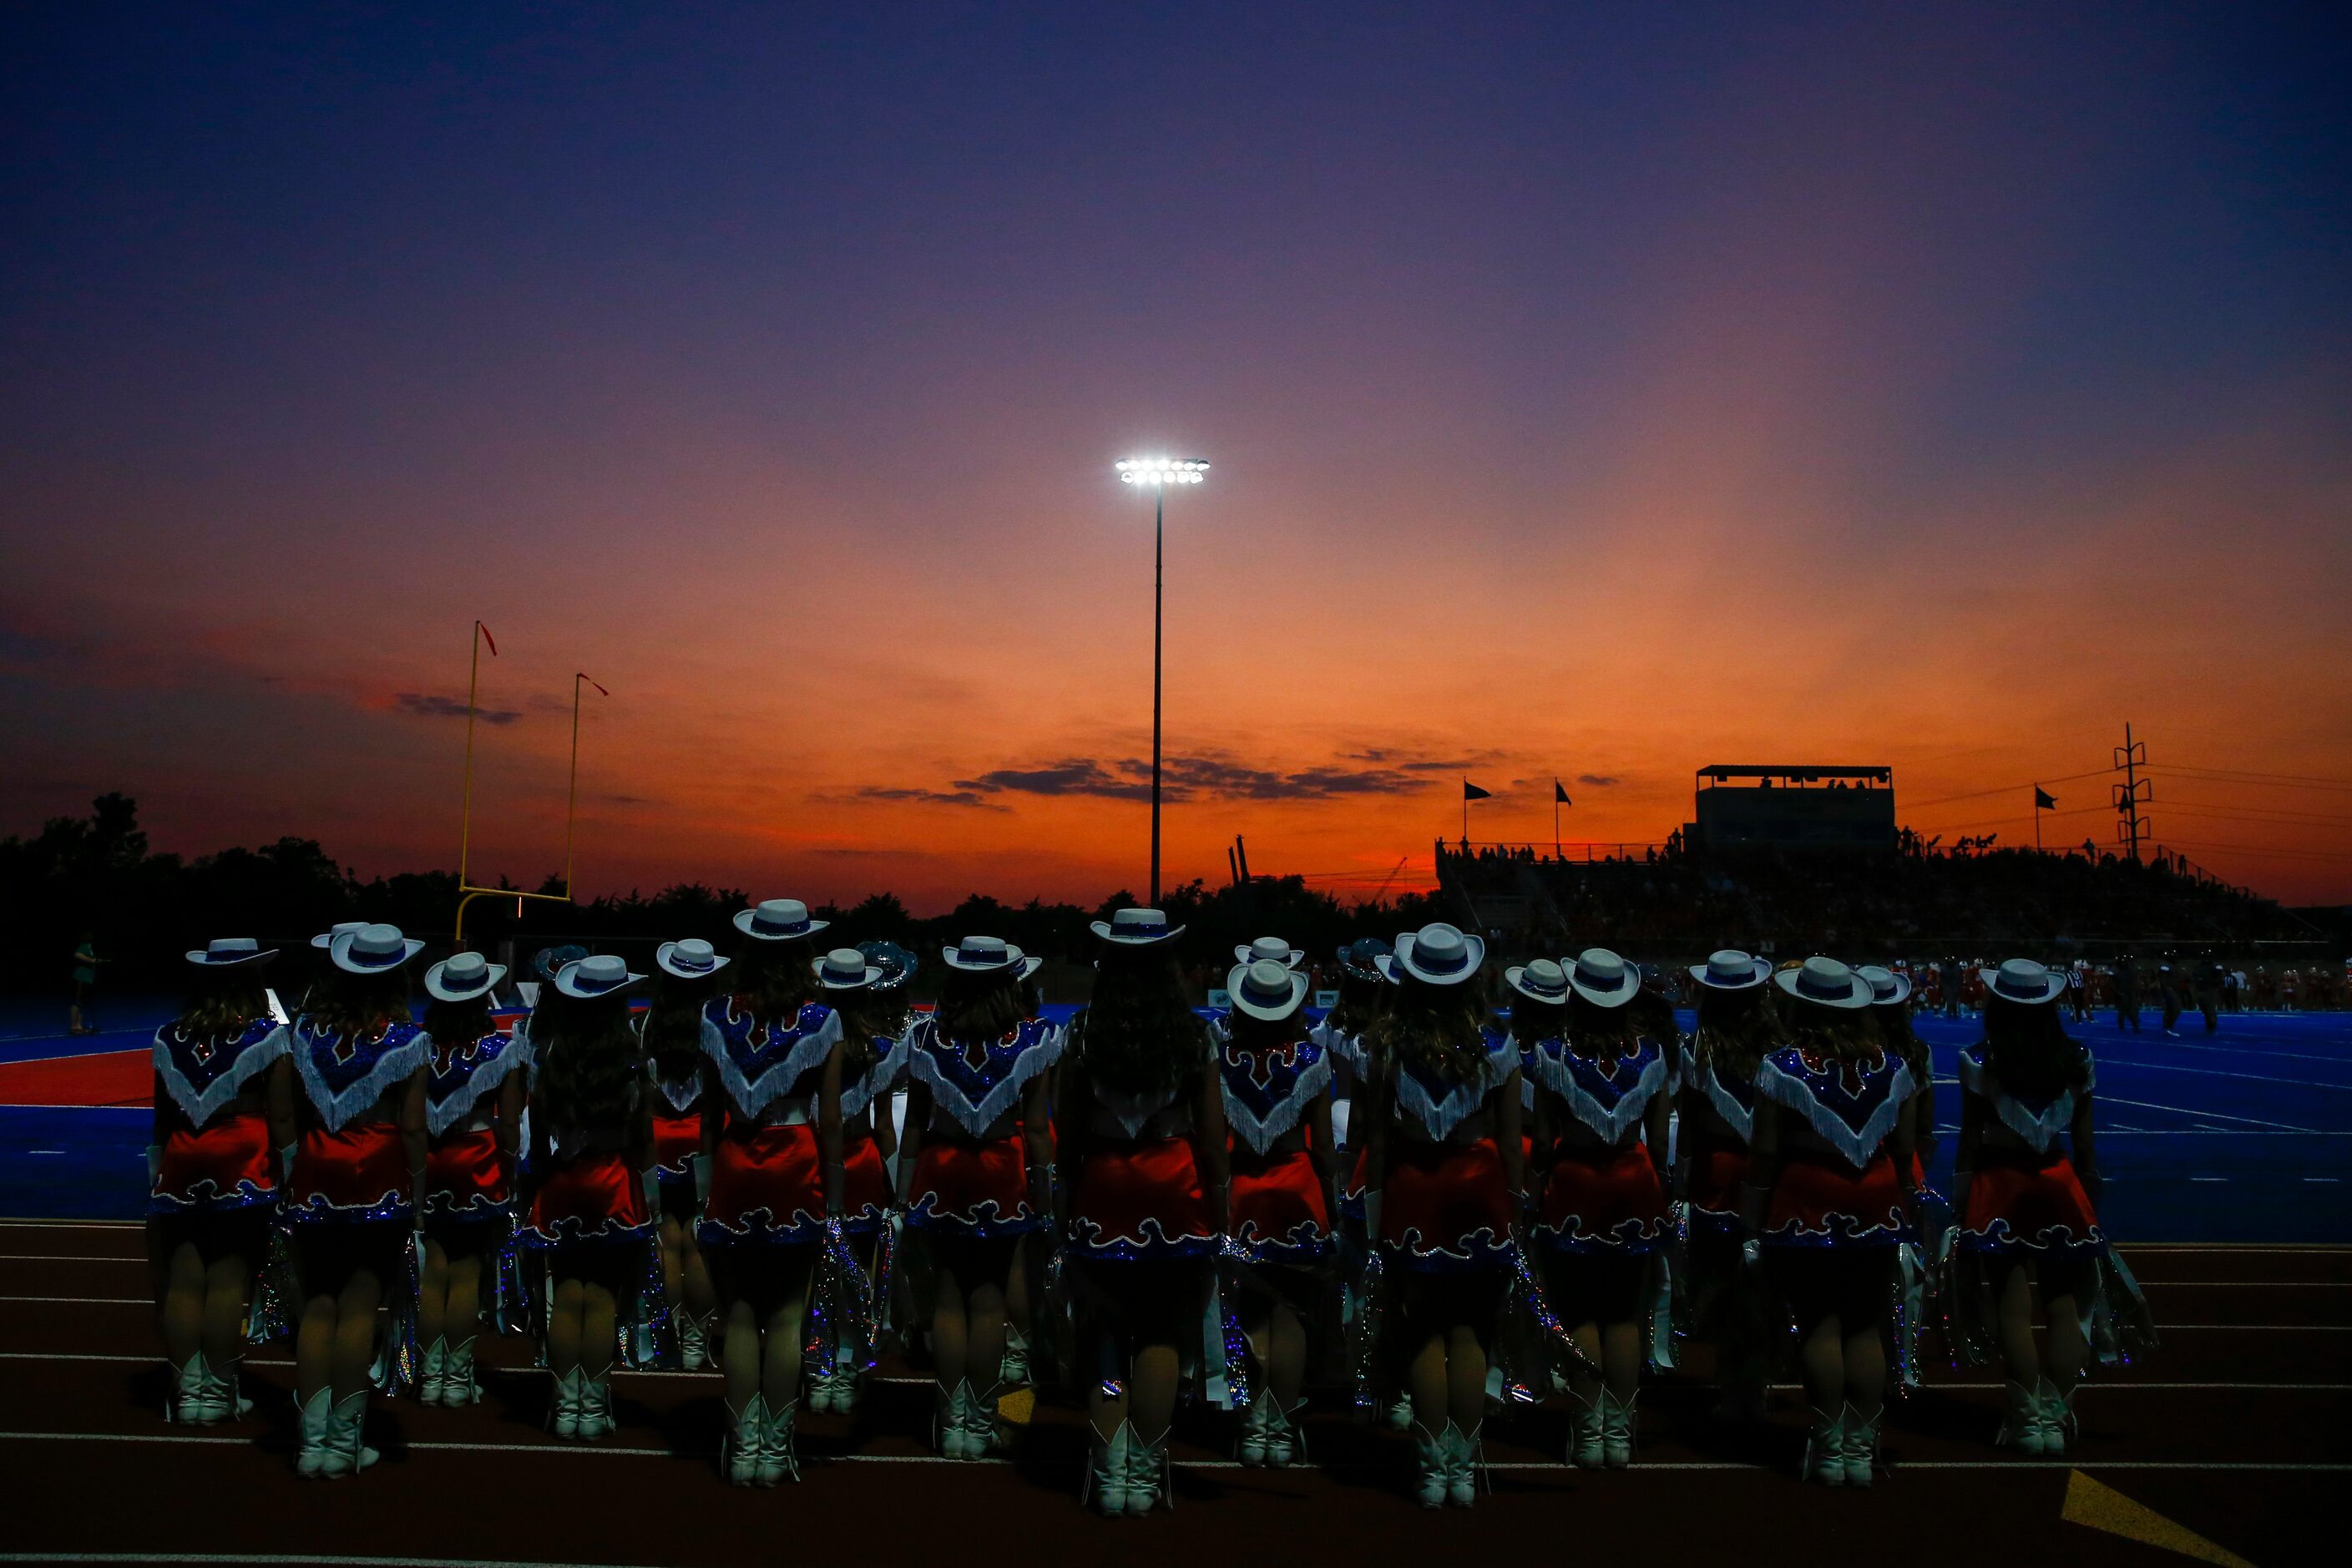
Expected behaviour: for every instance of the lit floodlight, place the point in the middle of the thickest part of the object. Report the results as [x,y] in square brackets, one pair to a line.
[1162,470]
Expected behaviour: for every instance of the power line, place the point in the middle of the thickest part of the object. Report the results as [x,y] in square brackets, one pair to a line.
[2283,778]
[2254,780]
[2005,789]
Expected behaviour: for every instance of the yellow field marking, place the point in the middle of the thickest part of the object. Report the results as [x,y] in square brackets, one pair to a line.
[2100,1506]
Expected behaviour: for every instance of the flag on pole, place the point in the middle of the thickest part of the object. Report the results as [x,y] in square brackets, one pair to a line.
[488,639]
[1560,794]
[1472,792]
[2043,800]
[590,680]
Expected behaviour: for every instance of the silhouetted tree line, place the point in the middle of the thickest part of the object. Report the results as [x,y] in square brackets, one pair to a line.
[94,876]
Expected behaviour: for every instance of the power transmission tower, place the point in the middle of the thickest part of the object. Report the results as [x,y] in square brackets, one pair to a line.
[2132,794]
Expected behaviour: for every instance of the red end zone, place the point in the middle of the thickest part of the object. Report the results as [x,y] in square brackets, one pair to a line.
[101,1078]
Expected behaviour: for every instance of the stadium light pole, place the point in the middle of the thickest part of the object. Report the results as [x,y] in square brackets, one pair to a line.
[1158,474]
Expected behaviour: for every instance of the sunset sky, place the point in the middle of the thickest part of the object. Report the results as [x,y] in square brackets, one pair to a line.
[1591,391]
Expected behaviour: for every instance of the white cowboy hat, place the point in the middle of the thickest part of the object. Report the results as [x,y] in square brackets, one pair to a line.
[1136,927]
[1540,980]
[228,951]
[777,920]
[1825,981]
[1731,969]
[845,969]
[372,950]
[1268,989]
[693,959]
[2022,980]
[1887,989]
[600,975]
[462,976]
[326,939]
[989,955]
[1604,979]
[1436,955]
[1270,947]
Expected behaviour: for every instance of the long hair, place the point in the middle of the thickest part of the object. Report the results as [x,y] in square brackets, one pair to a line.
[1532,1020]
[866,1016]
[774,980]
[1833,1033]
[1736,1030]
[589,1059]
[1901,1040]
[981,1006]
[2030,1051]
[343,1002]
[1138,1034]
[672,1029]
[454,1024]
[222,1002]
[1359,1003]
[1435,1026]
[1600,1034]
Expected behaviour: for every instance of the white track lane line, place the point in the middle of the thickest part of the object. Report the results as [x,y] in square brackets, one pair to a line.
[2217,1072]
[579,1450]
[2106,1098]
[2226,1328]
[2099,1387]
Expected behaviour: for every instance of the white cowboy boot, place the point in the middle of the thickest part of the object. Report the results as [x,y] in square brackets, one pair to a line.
[947,1423]
[563,1416]
[595,1410]
[1587,1439]
[1432,1459]
[1106,1485]
[1012,1367]
[1825,1451]
[234,1406]
[1616,1430]
[2021,1426]
[346,1454]
[430,1377]
[1462,1464]
[984,1429]
[310,1457]
[458,1383]
[779,1456]
[194,1403]
[1147,1473]
[1282,1443]
[1861,1441]
[1397,1413]
[2053,1418]
[1256,1419]
[693,1342]
[740,1453]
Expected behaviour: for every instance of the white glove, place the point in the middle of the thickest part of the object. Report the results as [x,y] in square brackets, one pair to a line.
[1751,1254]
[154,1163]
[286,1162]
[702,1180]
[1372,1215]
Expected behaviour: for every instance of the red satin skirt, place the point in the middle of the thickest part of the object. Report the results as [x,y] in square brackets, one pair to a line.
[1602,1200]
[1719,1169]
[358,1173]
[1279,1215]
[464,1177]
[767,1187]
[676,1141]
[1820,1200]
[1446,1205]
[973,1187]
[591,1199]
[1139,1198]
[2021,1201]
[225,1167]
[865,1185]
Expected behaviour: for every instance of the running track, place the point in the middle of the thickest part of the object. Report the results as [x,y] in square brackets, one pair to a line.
[2224,1165]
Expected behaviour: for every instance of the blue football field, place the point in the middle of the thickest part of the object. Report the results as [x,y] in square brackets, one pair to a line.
[2241,1135]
